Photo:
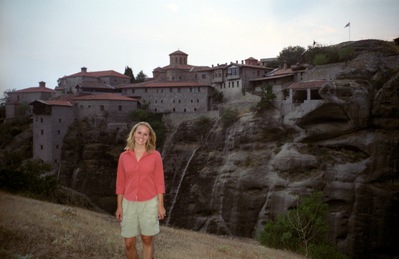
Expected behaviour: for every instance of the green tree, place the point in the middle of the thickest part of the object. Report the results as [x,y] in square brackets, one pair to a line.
[6,96]
[229,117]
[291,55]
[217,96]
[141,77]
[302,230]
[267,98]
[129,73]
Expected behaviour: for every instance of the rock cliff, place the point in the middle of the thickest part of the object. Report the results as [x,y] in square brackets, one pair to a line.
[231,180]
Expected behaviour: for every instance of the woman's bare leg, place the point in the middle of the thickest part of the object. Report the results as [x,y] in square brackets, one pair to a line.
[148,246]
[130,248]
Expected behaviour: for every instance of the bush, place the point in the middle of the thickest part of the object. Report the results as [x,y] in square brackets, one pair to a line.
[302,230]
[26,176]
[266,101]
[320,59]
[229,117]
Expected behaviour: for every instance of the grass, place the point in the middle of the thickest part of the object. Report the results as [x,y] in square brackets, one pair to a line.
[35,229]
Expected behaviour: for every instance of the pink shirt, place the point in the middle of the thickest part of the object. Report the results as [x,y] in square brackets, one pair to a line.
[140,180]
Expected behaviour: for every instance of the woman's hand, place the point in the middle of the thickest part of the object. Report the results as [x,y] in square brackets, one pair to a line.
[118,215]
[161,212]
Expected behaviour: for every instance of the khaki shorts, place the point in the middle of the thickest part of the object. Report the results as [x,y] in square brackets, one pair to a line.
[140,218]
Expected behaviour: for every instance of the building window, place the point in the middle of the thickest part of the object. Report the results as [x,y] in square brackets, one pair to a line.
[132,91]
[184,109]
[59,120]
[199,89]
[41,120]
[191,101]
[156,109]
[178,90]
[81,106]
[195,109]
[120,107]
[101,107]
[174,109]
[56,146]
[170,89]
[203,76]
[173,101]
[41,147]
[88,106]
[197,100]
[59,132]
[179,101]
[161,101]
[42,132]
[145,90]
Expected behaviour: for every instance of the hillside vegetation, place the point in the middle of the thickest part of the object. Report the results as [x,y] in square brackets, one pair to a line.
[35,229]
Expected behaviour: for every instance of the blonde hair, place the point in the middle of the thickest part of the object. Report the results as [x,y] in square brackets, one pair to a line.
[150,145]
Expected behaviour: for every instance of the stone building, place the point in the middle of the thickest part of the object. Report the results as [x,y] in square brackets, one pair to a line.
[85,82]
[234,79]
[108,107]
[18,102]
[51,119]
[177,87]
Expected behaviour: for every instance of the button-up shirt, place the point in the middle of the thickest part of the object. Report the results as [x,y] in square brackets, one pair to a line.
[140,180]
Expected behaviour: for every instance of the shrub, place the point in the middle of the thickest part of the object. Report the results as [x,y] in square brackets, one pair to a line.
[320,59]
[229,117]
[267,97]
[345,53]
[302,230]
[25,176]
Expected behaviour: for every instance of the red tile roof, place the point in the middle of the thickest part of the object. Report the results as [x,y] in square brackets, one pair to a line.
[37,89]
[110,73]
[109,97]
[178,52]
[308,84]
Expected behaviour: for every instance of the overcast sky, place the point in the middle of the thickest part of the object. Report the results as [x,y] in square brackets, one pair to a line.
[43,40]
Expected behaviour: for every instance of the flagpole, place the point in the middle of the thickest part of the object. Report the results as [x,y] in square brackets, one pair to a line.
[349,32]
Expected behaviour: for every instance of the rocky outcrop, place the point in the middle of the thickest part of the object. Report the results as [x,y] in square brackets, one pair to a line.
[235,179]
[231,181]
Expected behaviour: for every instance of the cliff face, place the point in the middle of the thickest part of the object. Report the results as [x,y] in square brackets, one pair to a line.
[231,181]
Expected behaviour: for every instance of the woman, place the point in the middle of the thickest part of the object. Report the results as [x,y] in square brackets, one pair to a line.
[140,188]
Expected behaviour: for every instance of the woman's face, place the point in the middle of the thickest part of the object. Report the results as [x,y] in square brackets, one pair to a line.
[142,135]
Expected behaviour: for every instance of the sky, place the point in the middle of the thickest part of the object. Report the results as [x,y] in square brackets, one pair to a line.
[43,40]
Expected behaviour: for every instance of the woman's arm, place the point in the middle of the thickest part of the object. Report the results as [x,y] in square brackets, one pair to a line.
[119,210]
[161,208]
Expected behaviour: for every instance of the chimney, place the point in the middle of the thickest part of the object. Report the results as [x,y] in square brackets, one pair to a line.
[242,62]
[42,84]
[83,69]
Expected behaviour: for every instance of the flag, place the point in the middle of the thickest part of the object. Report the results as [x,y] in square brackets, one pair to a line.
[348,25]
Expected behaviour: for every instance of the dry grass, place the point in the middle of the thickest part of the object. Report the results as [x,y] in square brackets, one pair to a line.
[35,229]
